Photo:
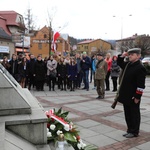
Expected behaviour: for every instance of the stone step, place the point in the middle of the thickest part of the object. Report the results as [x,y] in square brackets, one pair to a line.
[2,135]
[31,125]
[14,142]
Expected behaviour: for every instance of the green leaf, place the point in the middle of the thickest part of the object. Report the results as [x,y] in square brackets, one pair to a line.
[59,112]
[65,114]
[91,147]
[69,137]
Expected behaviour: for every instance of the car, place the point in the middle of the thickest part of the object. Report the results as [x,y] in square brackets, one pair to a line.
[146,61]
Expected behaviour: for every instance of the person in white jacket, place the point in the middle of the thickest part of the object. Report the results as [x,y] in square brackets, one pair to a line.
[51,72]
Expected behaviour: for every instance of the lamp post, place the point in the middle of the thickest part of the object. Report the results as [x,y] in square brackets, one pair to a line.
[122,24]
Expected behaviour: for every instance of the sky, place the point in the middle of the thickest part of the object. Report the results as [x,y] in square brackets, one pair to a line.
[87,19]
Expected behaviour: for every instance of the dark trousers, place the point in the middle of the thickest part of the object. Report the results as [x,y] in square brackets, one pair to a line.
[100,84]
[51,83]
[114,80]
[86,79]
[40,85]
[58,81]
[63,83]
[79,79]
[72,84]
[107,80]
[31,81]
[94,79]
[91,75]
[132,117]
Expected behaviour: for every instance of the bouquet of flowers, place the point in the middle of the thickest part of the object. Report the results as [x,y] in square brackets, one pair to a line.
[58,123]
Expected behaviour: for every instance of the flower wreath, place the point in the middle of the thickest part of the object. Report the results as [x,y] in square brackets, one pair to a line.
[58,123]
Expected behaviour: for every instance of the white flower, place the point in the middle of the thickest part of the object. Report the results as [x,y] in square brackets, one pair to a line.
[74,137]
[82,144]
[66,127]
[71,123]
[79,146]
[49,134]
[52,126]
[47,129]
[59,132]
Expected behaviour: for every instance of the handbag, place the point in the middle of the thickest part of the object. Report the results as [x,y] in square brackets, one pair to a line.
[52,74]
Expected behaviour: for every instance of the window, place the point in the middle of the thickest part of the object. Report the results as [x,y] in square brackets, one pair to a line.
[85,47]
[45,36]
[39,45]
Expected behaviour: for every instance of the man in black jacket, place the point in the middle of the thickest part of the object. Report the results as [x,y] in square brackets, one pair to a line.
[131,89]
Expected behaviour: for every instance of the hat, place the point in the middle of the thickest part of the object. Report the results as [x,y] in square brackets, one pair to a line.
[134,50]
[99,54]
[84,53]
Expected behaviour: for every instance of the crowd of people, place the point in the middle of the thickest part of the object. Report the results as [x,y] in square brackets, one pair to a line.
[65,72]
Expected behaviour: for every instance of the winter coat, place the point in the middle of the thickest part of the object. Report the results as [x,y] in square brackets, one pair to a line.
[6,65]
[62,70]
[39,70]
[13,67]
[87,64]
[109,63]
[22,70]
[72,72]
[101,69]
[133,81]
[30,66]
[78,60]
[94,62]
[115,69]
[51,67]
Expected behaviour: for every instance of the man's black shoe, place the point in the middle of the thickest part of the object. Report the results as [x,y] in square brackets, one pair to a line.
[83,88]
[125,134]
[107,90]
[99,97]
[130,135]
[102,97]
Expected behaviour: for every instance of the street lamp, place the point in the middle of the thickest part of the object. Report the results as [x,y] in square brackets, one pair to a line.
[122,25]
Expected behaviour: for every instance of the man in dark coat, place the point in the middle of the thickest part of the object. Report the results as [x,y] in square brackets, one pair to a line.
[39,73]
[30,64]
[131,89]
[85,66]
[14,67]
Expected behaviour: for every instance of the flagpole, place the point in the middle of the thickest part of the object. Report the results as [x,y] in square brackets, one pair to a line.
[50,38]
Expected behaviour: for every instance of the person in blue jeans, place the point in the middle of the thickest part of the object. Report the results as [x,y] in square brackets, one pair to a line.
[85,66]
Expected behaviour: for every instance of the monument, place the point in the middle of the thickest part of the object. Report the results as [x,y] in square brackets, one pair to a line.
[23,123]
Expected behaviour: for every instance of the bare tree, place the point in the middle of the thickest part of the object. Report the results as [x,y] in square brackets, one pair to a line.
[143,42]
[30,21]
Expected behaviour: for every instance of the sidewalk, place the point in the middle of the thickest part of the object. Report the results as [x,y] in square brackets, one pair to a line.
[98,123]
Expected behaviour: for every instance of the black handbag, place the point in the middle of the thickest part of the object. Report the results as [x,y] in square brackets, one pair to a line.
[52,74]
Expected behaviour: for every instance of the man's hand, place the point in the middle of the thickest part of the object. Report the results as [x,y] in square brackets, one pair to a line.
[136,101]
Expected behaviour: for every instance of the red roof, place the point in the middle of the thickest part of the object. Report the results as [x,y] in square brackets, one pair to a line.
[8,18]
[86,41]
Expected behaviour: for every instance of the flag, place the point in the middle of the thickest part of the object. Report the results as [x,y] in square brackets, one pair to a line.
[55,37]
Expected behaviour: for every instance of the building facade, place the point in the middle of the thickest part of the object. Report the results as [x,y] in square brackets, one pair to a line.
[41,43]
[93,46]
[11,23]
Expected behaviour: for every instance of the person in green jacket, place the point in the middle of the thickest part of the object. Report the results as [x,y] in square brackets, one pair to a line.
[100,74]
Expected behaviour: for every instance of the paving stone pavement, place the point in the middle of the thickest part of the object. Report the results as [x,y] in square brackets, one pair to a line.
[98,123]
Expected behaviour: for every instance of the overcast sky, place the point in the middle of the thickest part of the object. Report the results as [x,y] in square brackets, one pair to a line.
[88,18]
